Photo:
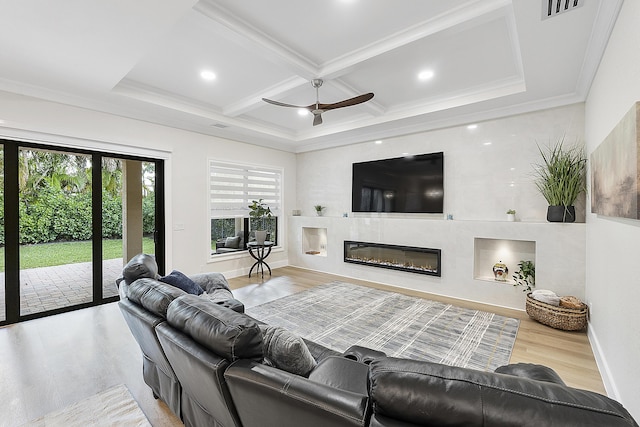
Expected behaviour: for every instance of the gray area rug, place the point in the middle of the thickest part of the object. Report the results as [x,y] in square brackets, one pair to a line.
[338,315]
[112,407]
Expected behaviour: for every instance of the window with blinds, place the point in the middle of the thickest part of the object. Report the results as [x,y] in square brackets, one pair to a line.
[232,188]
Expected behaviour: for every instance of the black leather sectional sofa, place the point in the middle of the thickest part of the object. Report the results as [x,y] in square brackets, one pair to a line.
[209,363]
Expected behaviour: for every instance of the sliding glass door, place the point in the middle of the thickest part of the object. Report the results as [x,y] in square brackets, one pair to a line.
[55,206]
[70,221]
[127,186]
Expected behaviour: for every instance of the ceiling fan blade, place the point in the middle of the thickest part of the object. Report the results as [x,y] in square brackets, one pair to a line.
[317,118]
[282,104]
[317,109]
[347,102]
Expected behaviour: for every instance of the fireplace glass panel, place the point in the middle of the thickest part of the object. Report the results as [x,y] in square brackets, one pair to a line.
[404,258]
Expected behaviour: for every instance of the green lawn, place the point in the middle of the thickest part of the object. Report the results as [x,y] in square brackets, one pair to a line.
[49,254]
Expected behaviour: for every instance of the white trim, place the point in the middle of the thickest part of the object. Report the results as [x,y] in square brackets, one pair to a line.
[108,147]
[603,366]
[59,140]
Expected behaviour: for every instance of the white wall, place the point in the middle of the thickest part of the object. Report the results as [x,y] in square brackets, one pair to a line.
[186,155]
[613,245]
[482,181]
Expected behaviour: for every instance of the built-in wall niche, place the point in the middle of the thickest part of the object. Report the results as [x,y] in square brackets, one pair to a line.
[314,241]
[487,252]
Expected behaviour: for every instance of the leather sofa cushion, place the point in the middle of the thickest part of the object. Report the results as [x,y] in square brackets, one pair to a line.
[153,295]
[531,371]
[426,393]
[342,373]
[227,333]
[140,266]
[362,354]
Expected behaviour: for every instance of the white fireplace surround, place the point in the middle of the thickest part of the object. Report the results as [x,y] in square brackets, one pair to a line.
[558,254]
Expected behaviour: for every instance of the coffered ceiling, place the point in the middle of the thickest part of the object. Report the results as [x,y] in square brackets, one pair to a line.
[143,59]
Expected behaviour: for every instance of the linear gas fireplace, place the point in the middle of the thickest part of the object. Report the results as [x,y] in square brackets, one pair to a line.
[403,258]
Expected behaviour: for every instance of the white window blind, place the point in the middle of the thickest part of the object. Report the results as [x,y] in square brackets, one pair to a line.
[232,188]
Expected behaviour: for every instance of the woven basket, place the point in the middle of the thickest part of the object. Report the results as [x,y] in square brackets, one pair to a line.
[567,319]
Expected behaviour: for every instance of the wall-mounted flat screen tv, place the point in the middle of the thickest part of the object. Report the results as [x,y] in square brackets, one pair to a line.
[411,184]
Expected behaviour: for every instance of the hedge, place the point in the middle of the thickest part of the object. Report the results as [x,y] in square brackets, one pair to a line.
[56,216]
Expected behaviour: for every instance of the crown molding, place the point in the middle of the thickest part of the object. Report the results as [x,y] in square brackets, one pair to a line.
[606,17]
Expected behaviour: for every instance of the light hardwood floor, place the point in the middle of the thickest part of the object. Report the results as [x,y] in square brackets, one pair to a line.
[47,364]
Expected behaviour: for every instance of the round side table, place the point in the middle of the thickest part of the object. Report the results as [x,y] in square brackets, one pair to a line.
[260,253]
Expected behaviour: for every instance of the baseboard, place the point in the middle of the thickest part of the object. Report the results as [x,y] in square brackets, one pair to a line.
[601,362]
[424,293]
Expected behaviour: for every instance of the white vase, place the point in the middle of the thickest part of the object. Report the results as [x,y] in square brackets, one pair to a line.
[260,237]
[511,217]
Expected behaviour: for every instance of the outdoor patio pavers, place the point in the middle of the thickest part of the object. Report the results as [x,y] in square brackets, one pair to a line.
[49,288]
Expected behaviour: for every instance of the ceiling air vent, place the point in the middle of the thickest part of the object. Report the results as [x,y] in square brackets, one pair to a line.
[551,8]
[219,126]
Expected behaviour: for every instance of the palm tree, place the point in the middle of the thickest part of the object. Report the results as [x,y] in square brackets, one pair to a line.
[112,176]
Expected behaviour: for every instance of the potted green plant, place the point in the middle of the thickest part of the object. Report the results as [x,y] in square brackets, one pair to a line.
[526,276]
[560,177]
[260,211]
[511,215]
[319,209]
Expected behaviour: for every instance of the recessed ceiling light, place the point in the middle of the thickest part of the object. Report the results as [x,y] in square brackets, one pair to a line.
[425,75]
[378,142]
[472,127]
[208,75]
[303,112]
[486,143]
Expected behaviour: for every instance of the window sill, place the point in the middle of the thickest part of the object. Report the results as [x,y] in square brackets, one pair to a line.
[238,255]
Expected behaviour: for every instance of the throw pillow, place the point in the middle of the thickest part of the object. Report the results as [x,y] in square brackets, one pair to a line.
[179,280]
[287,351]
[218,295]
[232,242]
